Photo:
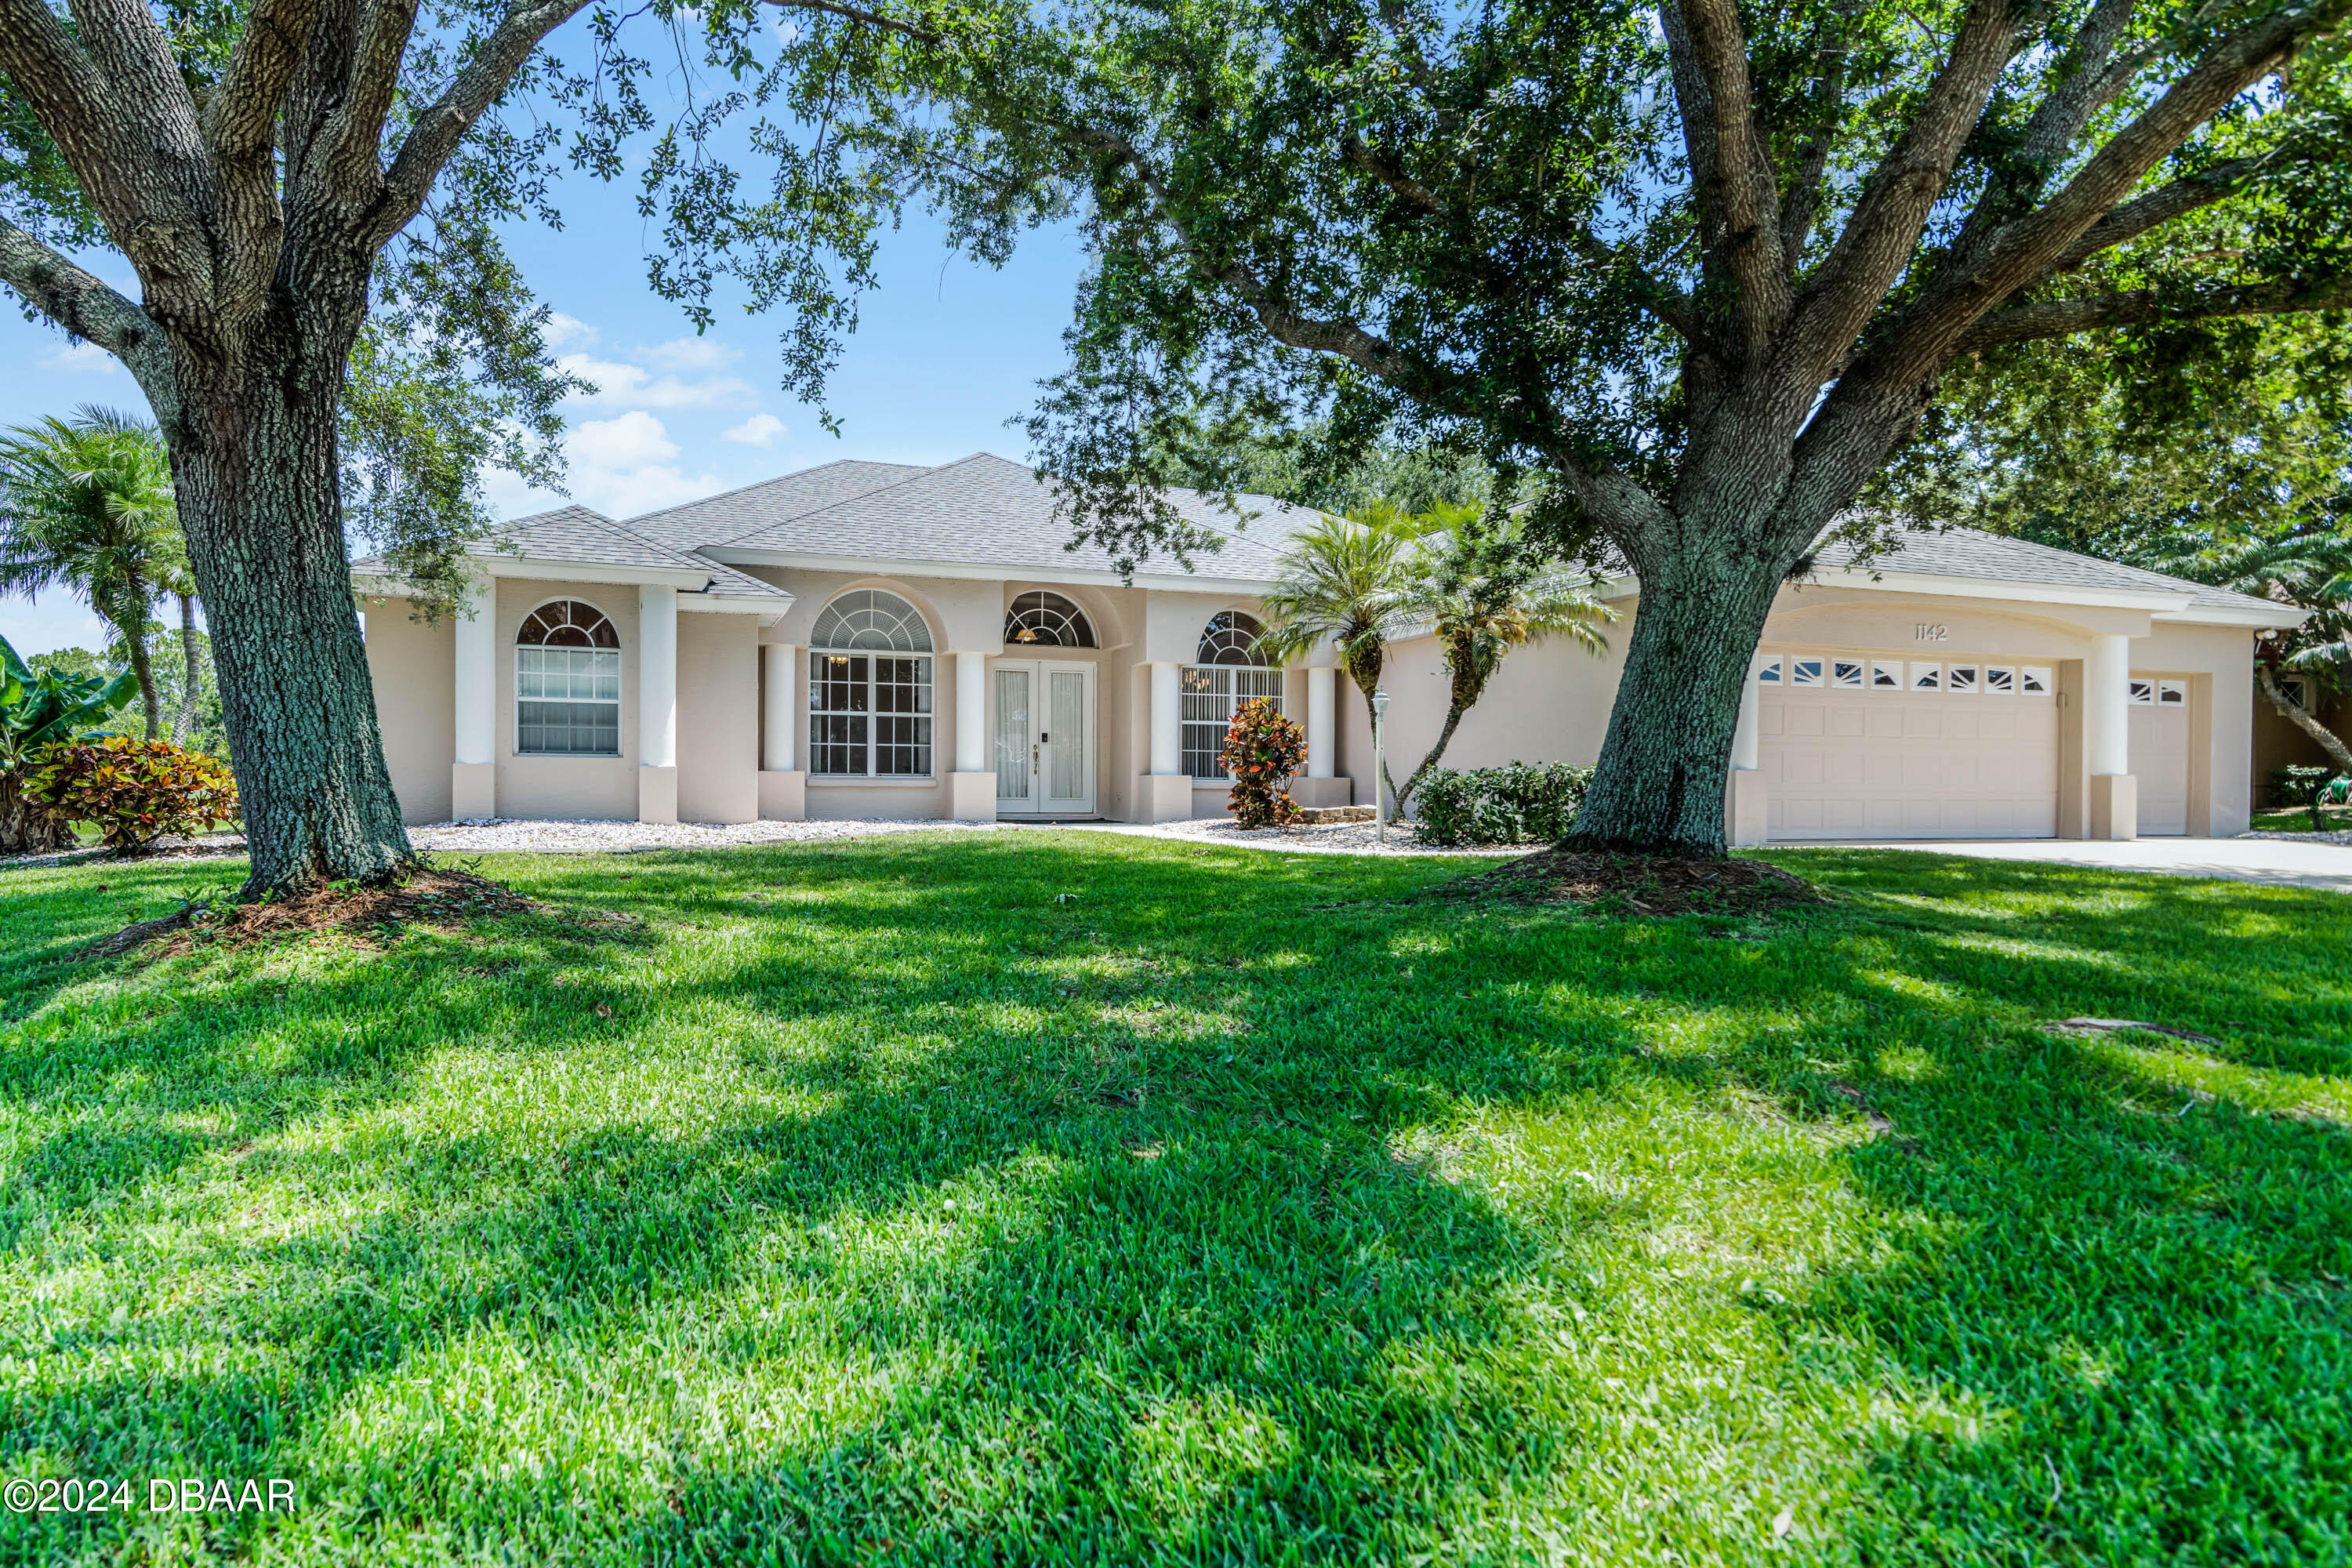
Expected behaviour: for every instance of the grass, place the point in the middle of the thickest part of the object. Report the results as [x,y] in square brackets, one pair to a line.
[2298,820]
[1080,1199]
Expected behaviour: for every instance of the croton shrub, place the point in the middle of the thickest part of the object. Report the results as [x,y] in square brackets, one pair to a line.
[1263,752]
[133,792]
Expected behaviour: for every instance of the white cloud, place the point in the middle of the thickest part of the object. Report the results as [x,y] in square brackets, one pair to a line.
[628,465]
[759,430]
[85,357]
[618,382]
[561,328]
[693,353]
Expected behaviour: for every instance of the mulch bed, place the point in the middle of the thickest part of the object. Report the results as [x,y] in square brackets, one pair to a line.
[427,896]
[1639,884]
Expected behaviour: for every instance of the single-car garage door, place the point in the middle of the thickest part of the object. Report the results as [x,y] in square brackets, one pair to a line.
[1877,746]
[2159,751]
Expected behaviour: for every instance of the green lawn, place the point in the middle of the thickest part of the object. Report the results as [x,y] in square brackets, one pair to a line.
[1086,1199]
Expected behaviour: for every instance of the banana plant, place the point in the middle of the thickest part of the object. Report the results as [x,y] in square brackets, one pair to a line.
[37,708]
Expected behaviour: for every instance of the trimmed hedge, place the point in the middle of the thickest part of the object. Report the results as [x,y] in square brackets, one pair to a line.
[1525,803]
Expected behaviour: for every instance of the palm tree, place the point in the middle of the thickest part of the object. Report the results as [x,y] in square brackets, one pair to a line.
[1344,579]
[1486,589]
[86,504]
[2310,567]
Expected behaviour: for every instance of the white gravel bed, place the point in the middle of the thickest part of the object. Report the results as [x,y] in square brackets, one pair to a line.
[2332,835]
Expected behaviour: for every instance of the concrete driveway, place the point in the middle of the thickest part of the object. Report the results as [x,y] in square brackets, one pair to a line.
[2282,860]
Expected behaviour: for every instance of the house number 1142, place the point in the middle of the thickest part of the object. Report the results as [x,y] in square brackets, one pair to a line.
[1931,631]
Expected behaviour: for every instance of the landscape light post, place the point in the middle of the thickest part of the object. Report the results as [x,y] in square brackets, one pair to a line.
[1380,763]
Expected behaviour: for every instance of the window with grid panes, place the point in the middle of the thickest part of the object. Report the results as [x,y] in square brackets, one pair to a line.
[869,707]
[567,683]
[1226,676]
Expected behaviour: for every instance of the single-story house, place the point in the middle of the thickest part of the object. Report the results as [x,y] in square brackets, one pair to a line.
[879,639]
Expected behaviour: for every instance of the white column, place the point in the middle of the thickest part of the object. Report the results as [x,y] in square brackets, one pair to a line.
[776,750]
[1167,732]
[971,712]
[476,693]
[2106,705]
[656,677]
[1320,731]
[1746,744]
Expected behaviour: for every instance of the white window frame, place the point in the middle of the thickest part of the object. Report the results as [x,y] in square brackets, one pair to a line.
[598,658]
[1800,675]
[1886,675]
[1850,674]
[2033,680]
[1207,695]
[2171,693]
[2297,693]
[1973,684]
[888,630]
[1926,677]
[2001,680]
[2139,691]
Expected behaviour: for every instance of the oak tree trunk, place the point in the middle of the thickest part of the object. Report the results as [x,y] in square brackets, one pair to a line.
[256,468]
[1658,787]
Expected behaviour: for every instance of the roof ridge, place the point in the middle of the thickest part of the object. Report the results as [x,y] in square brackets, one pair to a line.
[779,478]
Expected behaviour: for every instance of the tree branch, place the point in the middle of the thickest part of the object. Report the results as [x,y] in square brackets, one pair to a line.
[2160,205]
[913,31]
[240,118]
[2062,318]
[1801,202]
[78,106]
[83,305]
[1746,186]
[444,122]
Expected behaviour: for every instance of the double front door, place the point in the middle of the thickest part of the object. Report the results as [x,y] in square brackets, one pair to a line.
[1044,738]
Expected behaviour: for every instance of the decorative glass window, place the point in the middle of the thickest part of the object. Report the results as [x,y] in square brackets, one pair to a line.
[1226,676]
[2292,689]
[2172,694]
[1767,670]
[2033,680]
[567,683]
[1926,677]
[1804,672]
[2143,693]
[1845,672]
[1886,674]
[2000,678]
[1040,619]
[1960,678]
[870,688]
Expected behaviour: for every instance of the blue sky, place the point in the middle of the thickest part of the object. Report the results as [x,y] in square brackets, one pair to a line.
[946,353]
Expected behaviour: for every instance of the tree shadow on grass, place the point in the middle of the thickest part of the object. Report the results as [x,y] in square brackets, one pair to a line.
[1258,1248]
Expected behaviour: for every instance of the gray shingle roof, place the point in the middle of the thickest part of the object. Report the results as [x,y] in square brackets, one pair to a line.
[1970,552]
[576,534]
[982,510]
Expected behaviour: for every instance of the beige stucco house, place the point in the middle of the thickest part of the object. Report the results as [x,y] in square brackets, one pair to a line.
[876,639]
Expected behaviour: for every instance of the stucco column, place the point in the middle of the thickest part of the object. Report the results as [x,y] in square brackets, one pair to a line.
[657,703]
[972,791]
[474,704]
[1167,729]
[776,711]
[1747,741]
[1165,793]
[2106,737]
[1321,745]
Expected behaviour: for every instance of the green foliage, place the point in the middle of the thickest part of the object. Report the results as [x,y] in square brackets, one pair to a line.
[1525,803]
[1263,752]
[2308,787]
[37,708]
[859,1193]
[133,792]
[1343,580]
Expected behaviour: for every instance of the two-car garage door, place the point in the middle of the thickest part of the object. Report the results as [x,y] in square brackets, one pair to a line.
[1861,747]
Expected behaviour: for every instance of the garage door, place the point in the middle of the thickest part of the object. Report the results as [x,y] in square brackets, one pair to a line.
[2159,751]
[1863,746]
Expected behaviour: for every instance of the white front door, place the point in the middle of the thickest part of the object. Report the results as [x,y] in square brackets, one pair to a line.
[1044,738]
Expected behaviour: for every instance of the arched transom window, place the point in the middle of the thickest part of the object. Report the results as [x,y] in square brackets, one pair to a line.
[870,688]
[867,620]
[1227,675]
[567,682]
[1040,619]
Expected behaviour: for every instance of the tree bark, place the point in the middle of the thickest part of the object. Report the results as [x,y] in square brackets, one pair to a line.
[1464,690]
[134,647]
[1659,786]
[2327,739]
[256,468]
[183,727]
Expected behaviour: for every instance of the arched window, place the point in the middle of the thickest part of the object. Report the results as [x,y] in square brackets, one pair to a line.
[1040,619]
[1227,675]
[870,688]
[1226,640]
[567,682]
[869,620]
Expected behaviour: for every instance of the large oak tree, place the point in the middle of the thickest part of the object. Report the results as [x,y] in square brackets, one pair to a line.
[1694,270]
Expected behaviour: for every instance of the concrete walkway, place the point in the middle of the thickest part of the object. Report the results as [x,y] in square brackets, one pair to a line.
[2282,860]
